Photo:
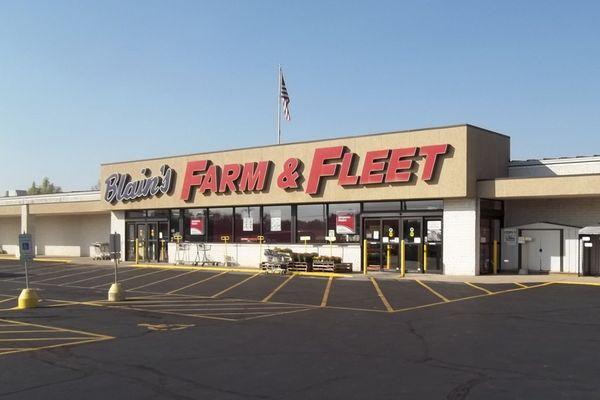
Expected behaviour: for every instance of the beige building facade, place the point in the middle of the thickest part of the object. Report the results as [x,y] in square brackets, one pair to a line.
[447,194]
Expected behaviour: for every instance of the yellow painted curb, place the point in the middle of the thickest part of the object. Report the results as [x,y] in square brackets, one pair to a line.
[578,283]
[58,260]
[231,269]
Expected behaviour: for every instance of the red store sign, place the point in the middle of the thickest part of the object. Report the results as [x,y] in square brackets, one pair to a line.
[379,166]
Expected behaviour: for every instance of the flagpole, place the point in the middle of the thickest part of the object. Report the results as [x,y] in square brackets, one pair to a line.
[279,106]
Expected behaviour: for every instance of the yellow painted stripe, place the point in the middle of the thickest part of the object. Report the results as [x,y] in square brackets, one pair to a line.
[478,287]
[385,302]
[196,283]
[57,260]
[270,295]
[234,286]
[249,270]
[326,292]
[432,291]
[578,283]
[128,279]
[162,280]
[520,284]
[97,277]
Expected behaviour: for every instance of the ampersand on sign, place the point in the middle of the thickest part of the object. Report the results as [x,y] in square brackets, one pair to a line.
[288,179]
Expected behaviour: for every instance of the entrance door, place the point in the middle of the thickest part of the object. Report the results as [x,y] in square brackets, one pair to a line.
[141,235]
[382,243]
[152,249]
[412,235]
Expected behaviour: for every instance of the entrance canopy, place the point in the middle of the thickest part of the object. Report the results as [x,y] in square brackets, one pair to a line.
[590,230]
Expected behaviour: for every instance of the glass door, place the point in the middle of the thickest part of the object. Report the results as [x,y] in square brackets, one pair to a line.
[383,244]
[130,242]
[163,239]
[373,237]
[142,233]
[152,250]
[433,240]
[411,230]
[390,245]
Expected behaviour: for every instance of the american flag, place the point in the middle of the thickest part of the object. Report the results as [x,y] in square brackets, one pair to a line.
[285,100]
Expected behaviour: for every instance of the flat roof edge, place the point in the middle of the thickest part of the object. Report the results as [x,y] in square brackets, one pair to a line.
[306,142]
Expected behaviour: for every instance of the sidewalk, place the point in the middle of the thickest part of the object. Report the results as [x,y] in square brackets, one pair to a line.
[490,279]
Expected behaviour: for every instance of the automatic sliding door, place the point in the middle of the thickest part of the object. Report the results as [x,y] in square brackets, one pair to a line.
[411,229]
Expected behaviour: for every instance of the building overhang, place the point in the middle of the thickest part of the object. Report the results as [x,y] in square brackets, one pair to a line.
[587,185]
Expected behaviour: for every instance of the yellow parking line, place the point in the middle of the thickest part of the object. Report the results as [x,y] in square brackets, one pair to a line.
[234,286]
[477,287]
[66,275]
[385,302]
[196,283]
[326,292]
[26,331]
[162,280]
[46,272]
[578,283]
[95,277]
[9,299]
[127,279]
[432,291]
[270,295]
[520,284]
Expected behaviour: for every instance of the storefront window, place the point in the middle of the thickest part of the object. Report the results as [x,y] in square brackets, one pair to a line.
[135,214]
[158,213]
[379,206]
[220,223]
[310,221]
[423,205]
[277,224]
[194,225]
[344,222]
[174,222]
[247,224]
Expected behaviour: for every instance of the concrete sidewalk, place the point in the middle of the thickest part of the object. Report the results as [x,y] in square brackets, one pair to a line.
[500,278]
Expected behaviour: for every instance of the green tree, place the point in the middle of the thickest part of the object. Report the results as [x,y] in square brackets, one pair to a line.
[46,187]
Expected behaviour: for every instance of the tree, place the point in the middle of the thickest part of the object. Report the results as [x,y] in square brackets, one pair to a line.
[46,187]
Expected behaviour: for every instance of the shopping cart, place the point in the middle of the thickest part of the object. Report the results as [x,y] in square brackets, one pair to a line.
[101,251]
[276,263]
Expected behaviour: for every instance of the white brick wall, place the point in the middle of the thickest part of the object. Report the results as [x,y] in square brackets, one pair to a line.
[461,237]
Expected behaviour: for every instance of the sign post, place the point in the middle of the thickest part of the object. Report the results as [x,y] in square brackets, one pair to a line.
[330,239]
[260,238]
[305,239]
[28,297]
[116,292]
[225,239]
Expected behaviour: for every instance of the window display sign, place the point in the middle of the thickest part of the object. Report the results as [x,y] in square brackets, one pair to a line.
[434,231]
[247,221]
[197,226]
[344,223]
[276,221]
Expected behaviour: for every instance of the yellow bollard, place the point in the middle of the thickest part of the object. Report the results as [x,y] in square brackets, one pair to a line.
[260,242]
[365,256]
[425,258]
[162,250]
[225,239]
[137,251]
[388,257]
[495,257]
[402,259]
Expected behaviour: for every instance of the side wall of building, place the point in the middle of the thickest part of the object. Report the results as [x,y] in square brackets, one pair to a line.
[9,234]
[69,235]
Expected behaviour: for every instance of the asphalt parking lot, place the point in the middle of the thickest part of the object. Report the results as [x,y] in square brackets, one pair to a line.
[226,335]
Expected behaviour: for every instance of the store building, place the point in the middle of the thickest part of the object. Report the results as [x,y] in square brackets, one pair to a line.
[452,189]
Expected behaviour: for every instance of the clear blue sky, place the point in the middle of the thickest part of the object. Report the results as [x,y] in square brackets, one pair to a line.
[86,82]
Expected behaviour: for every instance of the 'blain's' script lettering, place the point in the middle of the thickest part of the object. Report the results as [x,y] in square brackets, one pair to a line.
[120,187]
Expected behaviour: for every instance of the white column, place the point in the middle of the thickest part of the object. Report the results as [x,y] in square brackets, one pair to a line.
[24,218]
[461,237]
[117,225]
